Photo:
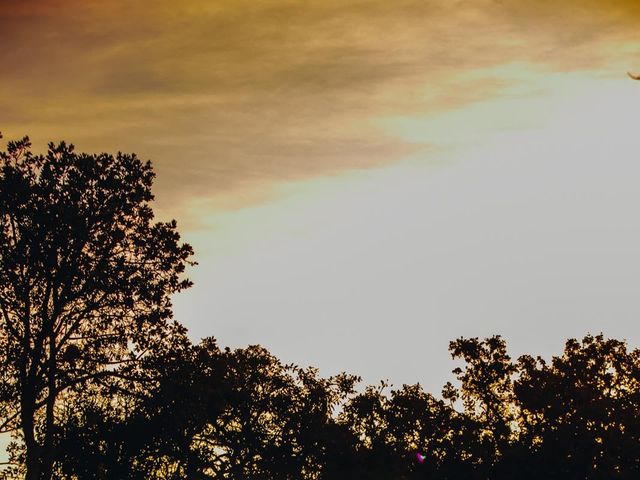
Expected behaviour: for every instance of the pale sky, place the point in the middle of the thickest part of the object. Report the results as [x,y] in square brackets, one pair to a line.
[363,181]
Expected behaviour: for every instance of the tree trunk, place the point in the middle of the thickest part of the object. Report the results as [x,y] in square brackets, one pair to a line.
[33,464]
[33,461]
[39,458]
[47,456]
[38,462]
[27,410]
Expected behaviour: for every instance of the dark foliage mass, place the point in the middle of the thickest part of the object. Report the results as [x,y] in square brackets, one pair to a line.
[85,282]
[214,413]
[98,382]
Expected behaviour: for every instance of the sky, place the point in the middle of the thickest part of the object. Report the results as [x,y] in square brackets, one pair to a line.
[363,181]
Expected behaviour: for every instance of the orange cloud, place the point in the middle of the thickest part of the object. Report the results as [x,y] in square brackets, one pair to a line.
[230,95]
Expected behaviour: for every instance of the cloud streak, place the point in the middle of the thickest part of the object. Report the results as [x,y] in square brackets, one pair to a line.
[230,96]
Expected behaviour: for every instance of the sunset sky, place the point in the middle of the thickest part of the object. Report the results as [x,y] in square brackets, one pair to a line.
[363,181]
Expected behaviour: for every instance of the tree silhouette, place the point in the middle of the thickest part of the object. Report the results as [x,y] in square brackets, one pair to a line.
[98,382]
[213,414]
[487,396]
[85,280]
[580,412]
[216,414]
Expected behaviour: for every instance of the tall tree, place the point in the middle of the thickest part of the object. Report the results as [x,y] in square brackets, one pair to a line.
[580,411]
[85,282]
[487,396]
[213,414]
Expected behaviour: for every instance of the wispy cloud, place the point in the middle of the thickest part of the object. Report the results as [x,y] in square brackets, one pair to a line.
[229,96]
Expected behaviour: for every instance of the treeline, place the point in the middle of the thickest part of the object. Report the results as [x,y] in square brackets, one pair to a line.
[98,381]
[212,413]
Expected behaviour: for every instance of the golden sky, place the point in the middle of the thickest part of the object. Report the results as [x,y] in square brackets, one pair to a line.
[361,177]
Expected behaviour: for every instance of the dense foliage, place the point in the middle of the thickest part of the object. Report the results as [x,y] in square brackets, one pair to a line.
[214,413]
[85,284]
